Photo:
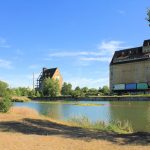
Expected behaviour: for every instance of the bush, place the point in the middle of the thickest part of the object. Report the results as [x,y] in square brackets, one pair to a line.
[5,104]
[3,88]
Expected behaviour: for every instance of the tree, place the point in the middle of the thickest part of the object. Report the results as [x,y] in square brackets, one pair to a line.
[77,88]
[5,102]
[148,16]
[50,87]
[3,88]
[105,90]
[93,92]
[85,90]
[66,89]
[37,94]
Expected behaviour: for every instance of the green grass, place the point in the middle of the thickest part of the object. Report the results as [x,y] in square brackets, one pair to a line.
[69,103]
[88,104]
[113,126]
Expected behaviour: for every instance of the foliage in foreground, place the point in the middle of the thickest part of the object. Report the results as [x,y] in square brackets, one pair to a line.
[114,126]
[5,104]
[3,88]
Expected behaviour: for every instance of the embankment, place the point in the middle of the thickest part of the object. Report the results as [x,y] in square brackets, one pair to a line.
[102,98]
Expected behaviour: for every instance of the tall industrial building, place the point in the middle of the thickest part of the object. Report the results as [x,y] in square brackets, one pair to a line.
[52,73]
[130,69]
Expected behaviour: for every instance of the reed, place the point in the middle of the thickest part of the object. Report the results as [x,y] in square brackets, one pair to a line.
[20,99]
[114,126]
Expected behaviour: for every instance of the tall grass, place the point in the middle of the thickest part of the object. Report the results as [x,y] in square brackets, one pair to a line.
[20,99]
[114,126]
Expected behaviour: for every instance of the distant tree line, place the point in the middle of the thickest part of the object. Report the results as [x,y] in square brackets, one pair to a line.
[50,88]
[83,92]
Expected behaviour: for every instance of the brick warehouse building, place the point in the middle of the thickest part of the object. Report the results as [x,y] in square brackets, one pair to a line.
[52,73]
[130,69]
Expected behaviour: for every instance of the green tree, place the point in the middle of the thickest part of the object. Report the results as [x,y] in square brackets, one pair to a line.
[77,88]
[66,89]
[77,92]
[148,16]
[5,102]
[93,92]
[50,87]
[37,94]
[85,90]
[105,90]
[3,88]
[31,93]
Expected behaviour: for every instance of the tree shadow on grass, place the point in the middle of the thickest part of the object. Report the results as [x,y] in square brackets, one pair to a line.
[48,128]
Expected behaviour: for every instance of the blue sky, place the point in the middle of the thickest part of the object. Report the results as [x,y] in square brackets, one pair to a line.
[77,36]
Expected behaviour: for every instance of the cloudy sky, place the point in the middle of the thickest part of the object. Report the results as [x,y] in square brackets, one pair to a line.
[77,36]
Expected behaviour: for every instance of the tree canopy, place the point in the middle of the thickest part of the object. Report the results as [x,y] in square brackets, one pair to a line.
[50,87]
[148,16]
[3,88]
[66,89]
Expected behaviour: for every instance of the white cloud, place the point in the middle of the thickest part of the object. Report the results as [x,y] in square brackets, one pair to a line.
[3,43]
[108,47]
[34,66]
[102,59]
[103,52]
[89,82]
[5,64]
[73,54]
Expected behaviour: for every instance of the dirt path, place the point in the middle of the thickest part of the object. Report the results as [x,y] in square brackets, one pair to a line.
[24,129]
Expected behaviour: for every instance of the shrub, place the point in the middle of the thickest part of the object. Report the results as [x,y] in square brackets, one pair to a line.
[5,104]
[3,88]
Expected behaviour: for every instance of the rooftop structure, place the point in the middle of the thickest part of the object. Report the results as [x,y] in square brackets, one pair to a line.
[52,73]
[130,69]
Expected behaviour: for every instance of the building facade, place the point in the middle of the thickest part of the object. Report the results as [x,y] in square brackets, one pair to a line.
[52,73]
[130,69]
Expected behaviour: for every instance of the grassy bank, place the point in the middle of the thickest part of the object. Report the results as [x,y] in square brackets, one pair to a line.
[20,99]
[113,126]
[24,128]
[82,122]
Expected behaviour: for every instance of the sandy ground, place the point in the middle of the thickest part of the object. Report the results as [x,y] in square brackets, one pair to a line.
[24,129]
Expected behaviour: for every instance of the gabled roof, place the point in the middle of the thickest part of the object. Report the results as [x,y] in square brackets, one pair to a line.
[50,71]
[146,43]
[47,73]
[131,54]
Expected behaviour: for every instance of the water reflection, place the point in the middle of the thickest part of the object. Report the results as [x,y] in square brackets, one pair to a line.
[138,113]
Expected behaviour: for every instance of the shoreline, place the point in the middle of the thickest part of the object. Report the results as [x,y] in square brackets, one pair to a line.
[101,98]
[25,129]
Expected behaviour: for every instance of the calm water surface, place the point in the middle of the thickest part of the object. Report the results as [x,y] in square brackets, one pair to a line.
[137,113]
